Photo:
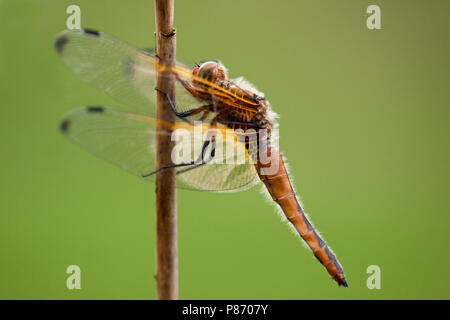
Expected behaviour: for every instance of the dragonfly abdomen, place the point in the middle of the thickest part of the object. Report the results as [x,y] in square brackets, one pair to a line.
[281,191]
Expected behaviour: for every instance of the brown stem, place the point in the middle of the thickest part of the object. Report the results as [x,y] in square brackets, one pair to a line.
[166,204]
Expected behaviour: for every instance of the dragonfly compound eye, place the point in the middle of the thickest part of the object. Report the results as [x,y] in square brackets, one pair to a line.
[210,71]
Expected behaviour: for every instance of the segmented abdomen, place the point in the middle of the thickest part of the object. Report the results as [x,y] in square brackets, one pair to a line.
[279,187]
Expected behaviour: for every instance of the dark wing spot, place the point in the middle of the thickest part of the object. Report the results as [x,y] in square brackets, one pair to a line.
[95,109]
[60,42]
[64,125]
[92,32]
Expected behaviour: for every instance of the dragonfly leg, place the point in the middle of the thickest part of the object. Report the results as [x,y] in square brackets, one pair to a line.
[167,167]
[200,161]
[196,92]
[183,114]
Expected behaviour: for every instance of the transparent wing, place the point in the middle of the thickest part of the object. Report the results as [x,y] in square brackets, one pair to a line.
[128,141]
[122,71]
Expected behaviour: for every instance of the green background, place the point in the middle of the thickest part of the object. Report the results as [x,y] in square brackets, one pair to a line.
[364,123]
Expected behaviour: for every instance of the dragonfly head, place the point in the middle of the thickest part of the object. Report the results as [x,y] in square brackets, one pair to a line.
[212,71]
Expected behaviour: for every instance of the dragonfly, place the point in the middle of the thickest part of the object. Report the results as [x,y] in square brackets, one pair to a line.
[213,113]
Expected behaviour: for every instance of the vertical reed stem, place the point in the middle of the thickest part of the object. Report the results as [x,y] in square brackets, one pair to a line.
[166,205]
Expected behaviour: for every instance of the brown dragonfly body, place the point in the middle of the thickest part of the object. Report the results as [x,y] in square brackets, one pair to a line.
[124,138]
[241,106]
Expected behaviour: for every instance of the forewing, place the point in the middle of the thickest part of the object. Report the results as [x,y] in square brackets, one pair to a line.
[122,71]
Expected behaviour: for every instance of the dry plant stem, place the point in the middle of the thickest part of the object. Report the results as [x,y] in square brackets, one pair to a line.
[166,205]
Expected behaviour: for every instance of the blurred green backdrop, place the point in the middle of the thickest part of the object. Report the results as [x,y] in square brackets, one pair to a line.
[364,122]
